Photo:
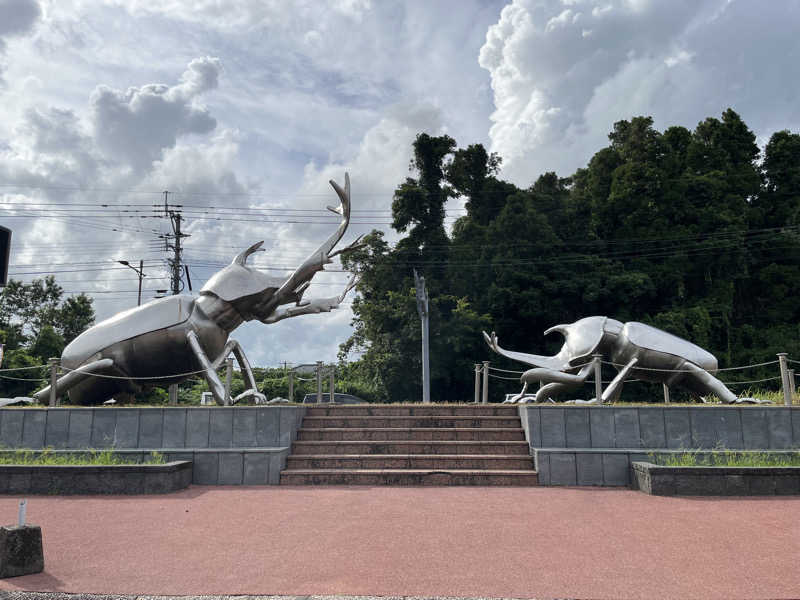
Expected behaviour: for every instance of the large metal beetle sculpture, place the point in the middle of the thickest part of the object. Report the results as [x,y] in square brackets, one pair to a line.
[161,341]
[635,349]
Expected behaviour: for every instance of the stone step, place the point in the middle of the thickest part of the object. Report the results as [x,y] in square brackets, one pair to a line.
[399,410]
[411,434]
[411,461]
[407,477]
[409,447]
[369,421]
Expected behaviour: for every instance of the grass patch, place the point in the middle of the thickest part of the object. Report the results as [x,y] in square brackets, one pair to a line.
[91,457]
[727,458]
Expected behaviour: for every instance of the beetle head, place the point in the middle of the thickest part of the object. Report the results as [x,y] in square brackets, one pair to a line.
[583,338]
[243,287]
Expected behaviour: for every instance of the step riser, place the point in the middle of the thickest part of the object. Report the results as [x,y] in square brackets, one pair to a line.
[513,448]
[433,463]
[426,479]
[416,422]
[410,435]
[412,410]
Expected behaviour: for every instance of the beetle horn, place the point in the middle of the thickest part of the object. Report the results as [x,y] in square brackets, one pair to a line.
[562,329]
[548,362]
[241,258]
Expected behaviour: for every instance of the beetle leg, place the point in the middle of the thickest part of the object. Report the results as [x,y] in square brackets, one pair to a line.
[73,378]
[518,397]
[702,382]
[244,365]
[557,382]
[209,370]
[614,388]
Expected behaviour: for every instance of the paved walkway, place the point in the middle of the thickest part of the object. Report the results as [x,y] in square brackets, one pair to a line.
[378,541]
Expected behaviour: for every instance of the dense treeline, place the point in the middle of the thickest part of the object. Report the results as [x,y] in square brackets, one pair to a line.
[691,231]
[36,323]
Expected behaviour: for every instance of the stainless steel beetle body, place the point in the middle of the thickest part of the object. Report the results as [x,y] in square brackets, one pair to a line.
[636,350]
[163,340]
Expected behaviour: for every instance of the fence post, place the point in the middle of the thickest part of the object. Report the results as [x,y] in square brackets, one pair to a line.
[228,376]
[331,384]
[485,398]
[666,393]
[598,377]
[477,383]
[173,394]
[291,386]
[319,382]
[53,378]
[787,394]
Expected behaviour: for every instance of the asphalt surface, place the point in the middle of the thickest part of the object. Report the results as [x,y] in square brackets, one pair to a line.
[531,542]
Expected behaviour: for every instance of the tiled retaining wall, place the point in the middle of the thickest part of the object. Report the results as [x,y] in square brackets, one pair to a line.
[595,445]
[228,445]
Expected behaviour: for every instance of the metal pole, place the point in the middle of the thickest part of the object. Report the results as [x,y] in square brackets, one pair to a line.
[598,377]
[53,378]
[485,398]
[331,383]
[291,386]
[426,362]
[666,393]
[792,384]
[173,394]
[319,382]
[477,383]
[422,309]
[787,394]
[141,269]
[228,377]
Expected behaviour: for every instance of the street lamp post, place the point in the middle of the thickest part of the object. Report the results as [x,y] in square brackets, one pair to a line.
[139,273]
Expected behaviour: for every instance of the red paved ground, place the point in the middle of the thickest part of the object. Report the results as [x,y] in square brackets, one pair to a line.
[518,542]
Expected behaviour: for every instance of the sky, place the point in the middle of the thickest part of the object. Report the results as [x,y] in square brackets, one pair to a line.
[243,110]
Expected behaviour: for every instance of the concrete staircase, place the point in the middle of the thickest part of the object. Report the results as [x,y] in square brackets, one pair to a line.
[411,444]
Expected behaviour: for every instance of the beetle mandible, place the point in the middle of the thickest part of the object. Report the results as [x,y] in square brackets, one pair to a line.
[165,339]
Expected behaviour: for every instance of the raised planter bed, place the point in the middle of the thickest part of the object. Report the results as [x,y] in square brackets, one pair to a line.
[714,481]
[95,479]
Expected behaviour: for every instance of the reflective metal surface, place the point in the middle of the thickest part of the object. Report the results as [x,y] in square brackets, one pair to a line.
[171,337]
[637,351]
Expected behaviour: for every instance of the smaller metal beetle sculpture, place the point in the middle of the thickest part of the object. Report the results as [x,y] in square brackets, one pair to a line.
[636,350]
[167,338]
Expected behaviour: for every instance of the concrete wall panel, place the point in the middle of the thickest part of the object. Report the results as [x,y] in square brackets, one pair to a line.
[127,429]
[577,427]
[174,433]
[221,424]
[231,467]
[755,429]
[197,428]
[678,427]
[626,428]
[104,425]
[602,427]
[151,428]
[80,428]
[33,428]
[11,428]
[553,426]
[651,428]
[244,428]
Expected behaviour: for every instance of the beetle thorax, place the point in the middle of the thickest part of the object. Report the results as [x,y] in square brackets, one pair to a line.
[221,312]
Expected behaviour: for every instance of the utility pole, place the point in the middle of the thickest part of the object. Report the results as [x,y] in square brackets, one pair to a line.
[422,309]
[175,219]
[173,212]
